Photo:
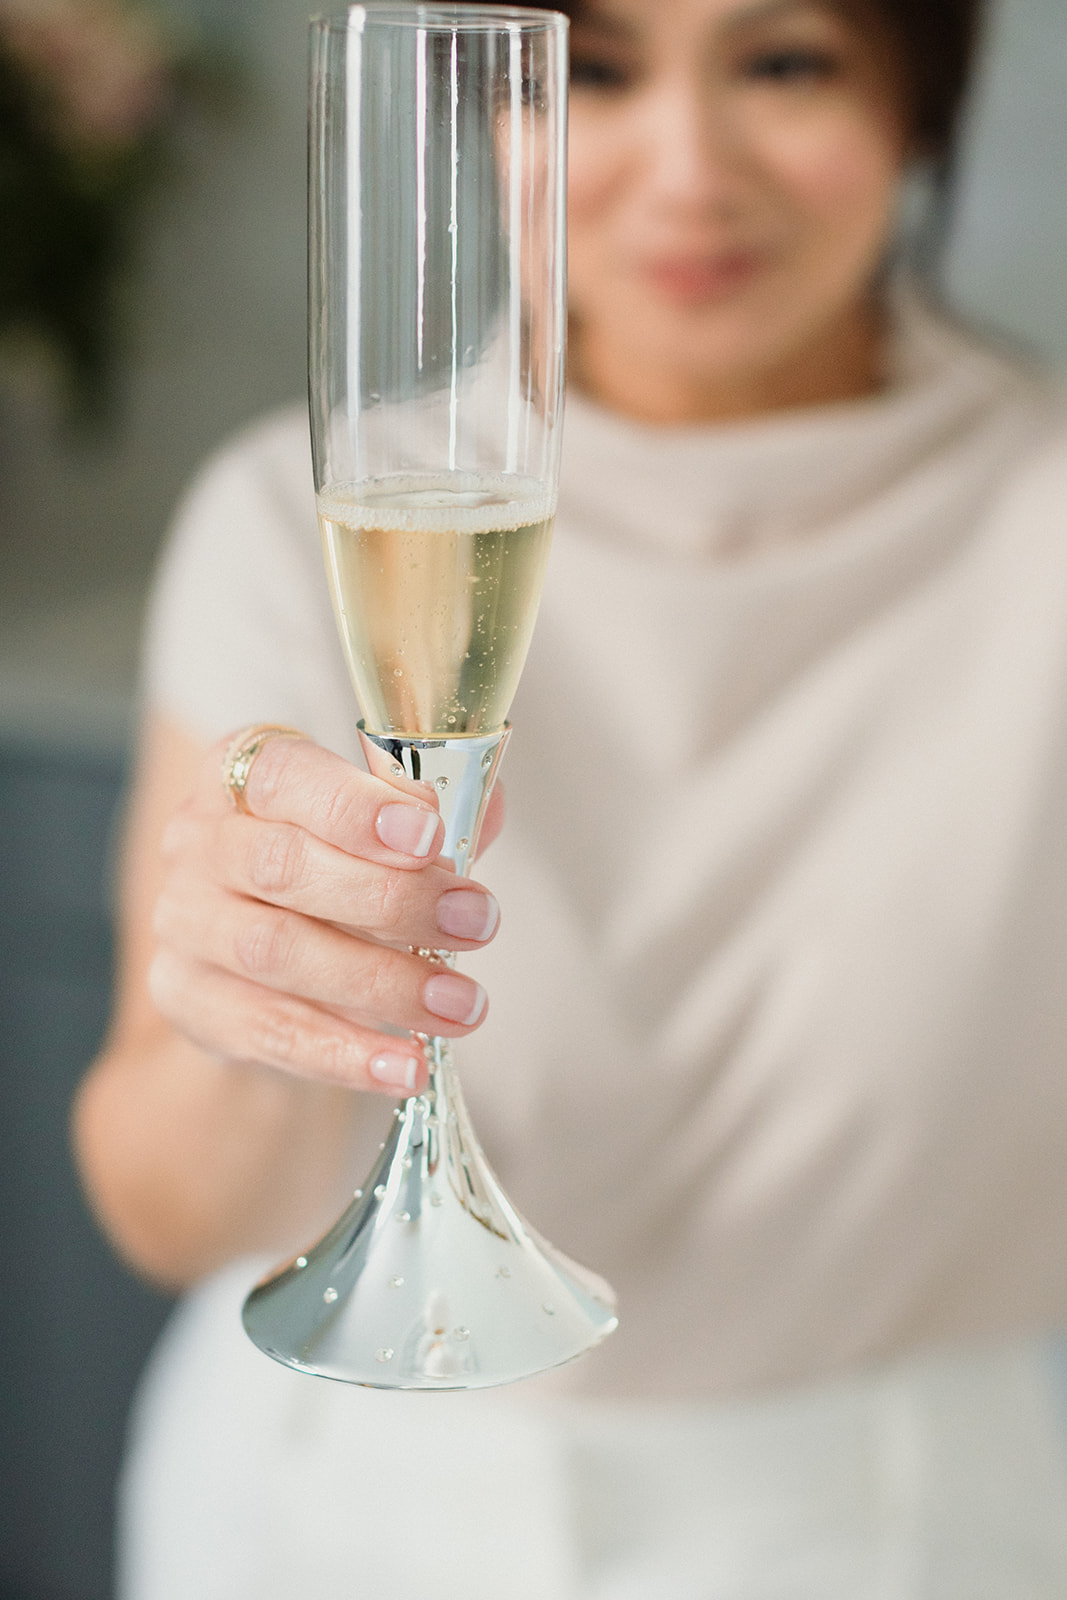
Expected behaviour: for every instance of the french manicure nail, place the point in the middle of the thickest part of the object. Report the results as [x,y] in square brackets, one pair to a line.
[409,829]
[467,913]
[455,998]
[395,1071]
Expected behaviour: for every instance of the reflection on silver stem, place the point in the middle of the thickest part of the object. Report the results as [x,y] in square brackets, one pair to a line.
[463,771]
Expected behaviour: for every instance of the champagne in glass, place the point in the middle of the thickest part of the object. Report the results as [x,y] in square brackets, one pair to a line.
[436,266]
[435,587]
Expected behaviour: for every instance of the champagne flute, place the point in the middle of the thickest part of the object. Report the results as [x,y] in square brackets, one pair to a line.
[436,266]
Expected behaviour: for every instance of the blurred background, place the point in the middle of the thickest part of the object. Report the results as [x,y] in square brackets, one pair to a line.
[199,175]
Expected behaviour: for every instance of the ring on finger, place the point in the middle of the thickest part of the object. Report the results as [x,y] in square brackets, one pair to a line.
[242,751]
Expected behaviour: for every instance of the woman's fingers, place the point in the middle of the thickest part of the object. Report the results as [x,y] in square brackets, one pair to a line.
[286,866]
[286,930]
[290,953]
[293,780]
[241,1021]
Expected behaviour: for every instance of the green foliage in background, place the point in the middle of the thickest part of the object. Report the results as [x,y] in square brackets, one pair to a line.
[92,93]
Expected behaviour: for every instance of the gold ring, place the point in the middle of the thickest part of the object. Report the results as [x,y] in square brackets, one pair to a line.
[241,751]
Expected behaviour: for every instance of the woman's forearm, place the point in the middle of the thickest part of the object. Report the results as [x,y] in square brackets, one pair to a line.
[190,1162]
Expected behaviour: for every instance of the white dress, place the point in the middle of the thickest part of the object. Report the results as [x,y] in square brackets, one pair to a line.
[777,1040]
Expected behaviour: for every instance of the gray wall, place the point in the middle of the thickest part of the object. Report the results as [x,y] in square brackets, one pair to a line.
[1009,253]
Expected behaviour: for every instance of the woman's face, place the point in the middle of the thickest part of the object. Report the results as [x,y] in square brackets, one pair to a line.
[733,173]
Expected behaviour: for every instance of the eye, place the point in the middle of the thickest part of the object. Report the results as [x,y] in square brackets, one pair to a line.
[791,65]
[591,70]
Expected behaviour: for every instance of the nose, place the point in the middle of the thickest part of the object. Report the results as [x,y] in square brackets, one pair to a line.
[691,159]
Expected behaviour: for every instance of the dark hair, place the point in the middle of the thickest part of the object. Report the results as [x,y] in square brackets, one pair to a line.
[935,41]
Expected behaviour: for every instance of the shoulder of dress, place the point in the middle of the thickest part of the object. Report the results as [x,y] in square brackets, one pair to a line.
[263,472]
[275,444]
[1042,461]
[1025,511]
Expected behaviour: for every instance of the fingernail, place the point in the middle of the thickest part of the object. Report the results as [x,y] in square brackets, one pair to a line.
[408,829]
[395,1071]
[467,913]
[454,997]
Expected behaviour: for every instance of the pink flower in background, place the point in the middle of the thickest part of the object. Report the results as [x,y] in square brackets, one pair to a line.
[100,66]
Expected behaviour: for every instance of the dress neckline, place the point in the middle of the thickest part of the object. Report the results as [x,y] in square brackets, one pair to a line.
[733,489]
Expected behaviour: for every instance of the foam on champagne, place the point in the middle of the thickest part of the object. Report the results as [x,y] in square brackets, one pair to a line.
[435,583]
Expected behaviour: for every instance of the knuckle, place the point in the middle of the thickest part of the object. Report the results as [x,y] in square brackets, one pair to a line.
[174,919]
[164,984]
[172,837]
[184,838]
[276,1037]
[189,809]
[334,1057]
[336,811]
[265,775]
[277,861]
[263,945]
[379,989]
[385,904]
[179,920]
[283,1035]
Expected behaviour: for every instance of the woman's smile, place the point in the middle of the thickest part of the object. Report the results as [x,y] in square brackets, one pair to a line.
[697,278]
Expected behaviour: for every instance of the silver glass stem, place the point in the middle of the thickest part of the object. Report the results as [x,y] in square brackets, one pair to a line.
[463,771]
[431,1279]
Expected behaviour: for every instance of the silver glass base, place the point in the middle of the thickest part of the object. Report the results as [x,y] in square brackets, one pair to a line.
[431,1279]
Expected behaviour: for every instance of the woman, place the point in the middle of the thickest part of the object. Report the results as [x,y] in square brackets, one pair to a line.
[780,993]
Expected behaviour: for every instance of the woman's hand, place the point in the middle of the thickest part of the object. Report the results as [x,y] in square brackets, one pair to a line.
[281,941]
[284,935]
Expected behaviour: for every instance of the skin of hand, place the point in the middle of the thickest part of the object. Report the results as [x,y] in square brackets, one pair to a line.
[284,934]
[264,957]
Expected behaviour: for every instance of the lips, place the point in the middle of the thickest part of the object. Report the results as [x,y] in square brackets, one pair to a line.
[697,279]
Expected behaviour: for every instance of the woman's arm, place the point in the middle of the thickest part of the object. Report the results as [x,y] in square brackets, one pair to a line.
[259,957]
